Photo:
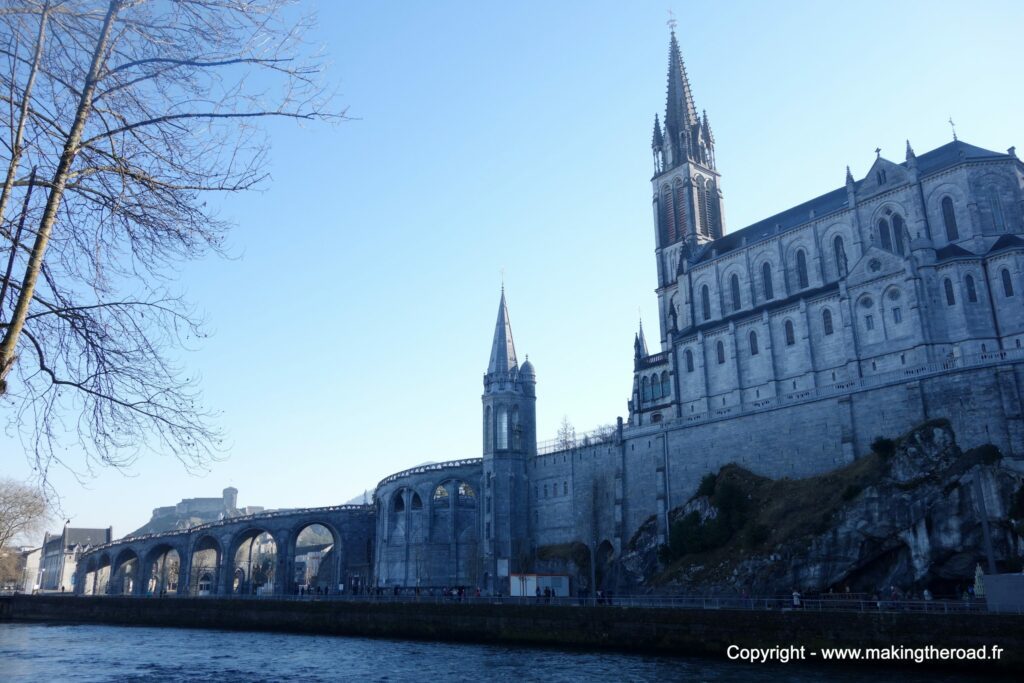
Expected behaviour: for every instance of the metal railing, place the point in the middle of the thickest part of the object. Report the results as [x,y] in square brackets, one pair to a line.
[774,603]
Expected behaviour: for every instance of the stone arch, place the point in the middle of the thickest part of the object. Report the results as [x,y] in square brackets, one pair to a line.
[160,572]
[125,573]
[86,579]
[319,564]
[206,556]
[101,579]
[252,563]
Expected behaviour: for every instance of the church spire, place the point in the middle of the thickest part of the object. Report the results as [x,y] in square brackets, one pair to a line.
[656,139]
[640,344]
[680,111]
[503,349]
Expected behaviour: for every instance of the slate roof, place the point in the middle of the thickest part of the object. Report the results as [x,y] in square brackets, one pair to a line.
[1006,242]
[951,251]
[935,160]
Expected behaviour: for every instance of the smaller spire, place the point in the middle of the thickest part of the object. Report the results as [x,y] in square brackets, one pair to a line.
[708,135]
[910,152]
[849,176]
[657,140]
[639,343]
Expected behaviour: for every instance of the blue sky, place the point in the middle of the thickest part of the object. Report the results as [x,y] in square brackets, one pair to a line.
[351,332]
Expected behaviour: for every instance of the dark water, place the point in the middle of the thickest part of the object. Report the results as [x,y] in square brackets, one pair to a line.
[33,652]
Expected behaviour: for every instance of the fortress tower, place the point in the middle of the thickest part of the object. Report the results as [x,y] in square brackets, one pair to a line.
[510,439]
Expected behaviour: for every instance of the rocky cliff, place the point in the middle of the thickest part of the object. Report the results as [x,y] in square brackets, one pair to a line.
[915,513]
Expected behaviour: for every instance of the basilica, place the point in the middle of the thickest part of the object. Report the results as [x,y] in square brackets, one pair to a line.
[785,346]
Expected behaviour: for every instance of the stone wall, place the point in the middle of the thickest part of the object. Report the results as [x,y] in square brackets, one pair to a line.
[605,492]
[663,631]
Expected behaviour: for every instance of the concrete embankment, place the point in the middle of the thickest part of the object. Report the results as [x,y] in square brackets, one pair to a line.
[661,631]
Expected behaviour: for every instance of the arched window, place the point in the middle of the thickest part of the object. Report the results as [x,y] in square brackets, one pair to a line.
[655,387]
[702,208]
[705,302]
[502,428]
[689,360]
[516,432]
[399,502]
[996,206]
[884,236]
[720,349]
[801,269]
[680,207]
[1007,282]
[950,297]
[441,494]
[734,286]
[766,278]
[712,208]
[897,233]
[645,390]
[668,230]
[972,291]
[790,333]
[417,502]
[753,343]
[949,218]
[826,321]
[488,429]
[665,388]
[839,253]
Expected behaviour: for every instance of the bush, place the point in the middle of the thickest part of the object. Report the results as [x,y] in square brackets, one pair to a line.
[883,447]
[707,485]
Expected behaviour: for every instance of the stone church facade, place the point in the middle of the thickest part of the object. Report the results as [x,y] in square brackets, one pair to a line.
[786,347]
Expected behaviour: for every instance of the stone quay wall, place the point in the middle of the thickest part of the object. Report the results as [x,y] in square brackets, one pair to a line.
[653,630]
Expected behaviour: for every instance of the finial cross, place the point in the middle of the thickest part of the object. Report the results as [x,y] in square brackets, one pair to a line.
[878,151]
[671,23]
[953,126]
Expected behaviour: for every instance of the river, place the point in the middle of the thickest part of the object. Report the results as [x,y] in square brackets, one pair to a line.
[37,652]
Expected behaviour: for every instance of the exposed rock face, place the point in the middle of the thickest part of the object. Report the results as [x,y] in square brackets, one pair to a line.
[914,519]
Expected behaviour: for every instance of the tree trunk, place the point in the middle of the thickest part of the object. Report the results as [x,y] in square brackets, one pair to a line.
[8,347]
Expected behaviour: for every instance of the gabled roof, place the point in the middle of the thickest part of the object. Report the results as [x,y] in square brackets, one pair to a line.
[1006,242]
[951,251]
[947,155]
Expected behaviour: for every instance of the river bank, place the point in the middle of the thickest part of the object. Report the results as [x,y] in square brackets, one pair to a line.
[661,631]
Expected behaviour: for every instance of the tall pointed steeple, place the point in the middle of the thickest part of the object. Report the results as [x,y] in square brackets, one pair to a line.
[503,349]
[680,111]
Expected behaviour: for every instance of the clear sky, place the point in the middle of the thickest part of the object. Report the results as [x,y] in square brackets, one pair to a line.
[351,334]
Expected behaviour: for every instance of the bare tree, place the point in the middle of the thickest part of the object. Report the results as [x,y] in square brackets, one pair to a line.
[566,434]
[122,117]
[22,511]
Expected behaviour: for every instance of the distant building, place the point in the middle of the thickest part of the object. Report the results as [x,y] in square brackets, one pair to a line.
[30,568]
[60,553]
[192,511]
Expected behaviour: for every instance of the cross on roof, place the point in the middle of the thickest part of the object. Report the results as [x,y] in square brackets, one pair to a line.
[671,23]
